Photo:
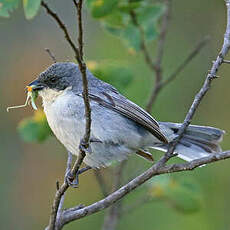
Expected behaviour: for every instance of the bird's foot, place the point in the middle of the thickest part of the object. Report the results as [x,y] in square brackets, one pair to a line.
[85,147]
[73,181]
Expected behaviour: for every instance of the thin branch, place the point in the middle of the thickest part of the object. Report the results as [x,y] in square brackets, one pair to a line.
[51,55]
[59,194]
[85,141]
[207,84]
[78,5]
[63,28]
[155,170]
[175,73]
[187,60]
[159,56]
[147,56]
[82,67]
[68,168]
[163,32]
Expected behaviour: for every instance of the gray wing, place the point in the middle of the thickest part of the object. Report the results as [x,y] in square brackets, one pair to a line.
[130,110]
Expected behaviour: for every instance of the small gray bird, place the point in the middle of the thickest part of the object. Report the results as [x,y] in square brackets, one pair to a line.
[119,127]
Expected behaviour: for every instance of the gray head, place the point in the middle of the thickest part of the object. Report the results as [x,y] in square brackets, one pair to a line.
[62,75]
[58,76]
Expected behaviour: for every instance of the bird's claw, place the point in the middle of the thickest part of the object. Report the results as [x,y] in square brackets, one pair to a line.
[85,147]
[71,180]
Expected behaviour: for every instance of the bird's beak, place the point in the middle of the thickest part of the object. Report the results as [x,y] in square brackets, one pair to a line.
[36,85]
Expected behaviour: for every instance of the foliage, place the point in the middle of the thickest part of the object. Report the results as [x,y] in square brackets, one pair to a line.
[31,7]
[184,196]
[35,128]
[115,16]
[116,19]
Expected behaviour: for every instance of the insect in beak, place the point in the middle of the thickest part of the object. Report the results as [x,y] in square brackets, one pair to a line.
[31,96]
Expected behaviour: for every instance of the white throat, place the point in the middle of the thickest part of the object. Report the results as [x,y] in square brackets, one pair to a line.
[50,95]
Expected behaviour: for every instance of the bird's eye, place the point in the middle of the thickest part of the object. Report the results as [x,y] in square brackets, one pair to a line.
[53,79]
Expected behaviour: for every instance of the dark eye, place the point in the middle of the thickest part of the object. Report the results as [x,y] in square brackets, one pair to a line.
[53,79]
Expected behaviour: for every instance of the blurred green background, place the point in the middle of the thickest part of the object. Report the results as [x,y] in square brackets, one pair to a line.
[28,171]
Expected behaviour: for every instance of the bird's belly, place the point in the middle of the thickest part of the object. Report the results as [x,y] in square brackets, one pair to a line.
[67,127]
[117,136]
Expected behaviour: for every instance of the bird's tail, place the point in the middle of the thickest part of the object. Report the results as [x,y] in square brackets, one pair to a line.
[197,141]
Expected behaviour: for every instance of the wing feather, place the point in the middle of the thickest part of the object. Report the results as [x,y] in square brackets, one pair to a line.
[130,110]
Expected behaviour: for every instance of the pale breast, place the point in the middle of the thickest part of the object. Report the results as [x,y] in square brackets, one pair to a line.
[66,122]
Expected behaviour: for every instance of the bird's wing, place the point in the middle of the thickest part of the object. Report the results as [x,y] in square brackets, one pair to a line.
[130,110]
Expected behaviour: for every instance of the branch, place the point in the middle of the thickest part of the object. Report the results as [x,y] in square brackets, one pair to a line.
[82,67]
[68,168]
[57,202]
[51,55]
[187,60]
[160,167]
[156,169]
[85,141]
[159,56]
[63,28]
[175,73]
[207,84]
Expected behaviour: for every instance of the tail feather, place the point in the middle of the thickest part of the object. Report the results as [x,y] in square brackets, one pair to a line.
[197,142]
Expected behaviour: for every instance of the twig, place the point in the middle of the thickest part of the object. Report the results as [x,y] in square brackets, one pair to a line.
[159,56]
[112,217]
[85,141]
[207,84]
[187,60]
[63,28]
[175,73]
[82,67]
[68,168]
[54,222]
[78,5]
[155,170]
[147,56]
[51,55]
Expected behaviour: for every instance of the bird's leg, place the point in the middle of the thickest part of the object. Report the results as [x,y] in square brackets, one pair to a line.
[88,148]
[74,181]
[70,177]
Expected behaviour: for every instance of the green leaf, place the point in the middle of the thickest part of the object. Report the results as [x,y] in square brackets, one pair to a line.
[31,8]
[130,35]
[149,13]
[101,8]
[115,20]
[124,28]
[7,6]
[147,17]
[34,129]
[184,196]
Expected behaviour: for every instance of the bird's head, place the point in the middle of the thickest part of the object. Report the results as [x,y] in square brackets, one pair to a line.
[56,79]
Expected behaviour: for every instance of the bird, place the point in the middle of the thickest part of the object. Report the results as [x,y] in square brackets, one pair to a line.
[119,127]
